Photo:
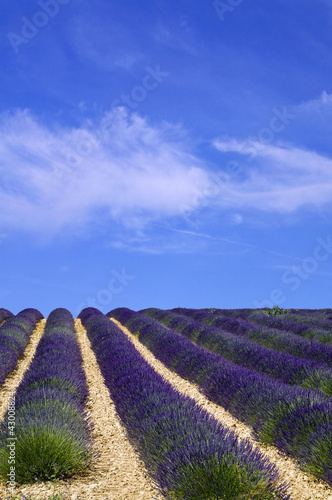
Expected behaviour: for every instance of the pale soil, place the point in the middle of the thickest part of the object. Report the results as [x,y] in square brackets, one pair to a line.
[302,486]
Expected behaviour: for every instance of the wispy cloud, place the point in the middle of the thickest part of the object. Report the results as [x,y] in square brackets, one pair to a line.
[163,238]
[155,241]
[281,177]
[106,47]
[228,241]
[121,168]
[178,37]
[324,101]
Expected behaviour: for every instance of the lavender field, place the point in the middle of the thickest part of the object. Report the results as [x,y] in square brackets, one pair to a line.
[270,369]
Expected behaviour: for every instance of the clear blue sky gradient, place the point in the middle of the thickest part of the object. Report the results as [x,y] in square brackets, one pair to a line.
[165,153]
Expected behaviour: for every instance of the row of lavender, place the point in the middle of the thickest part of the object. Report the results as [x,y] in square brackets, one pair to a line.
[5,314]
[315,317]
[307,325]
[187,452]
[311,325]
[298,421]
[238,346]
[253,327]
[52,432]
[15,334]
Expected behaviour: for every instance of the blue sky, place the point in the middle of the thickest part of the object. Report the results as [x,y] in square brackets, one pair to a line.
[163,154]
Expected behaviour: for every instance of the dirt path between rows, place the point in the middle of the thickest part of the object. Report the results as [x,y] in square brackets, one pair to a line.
[302,486]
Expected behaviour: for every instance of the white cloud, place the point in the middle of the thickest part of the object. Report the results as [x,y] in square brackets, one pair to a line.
[121,167]
[128,171]
[282,177]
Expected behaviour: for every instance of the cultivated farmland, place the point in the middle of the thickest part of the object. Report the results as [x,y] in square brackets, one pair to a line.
[185,404]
